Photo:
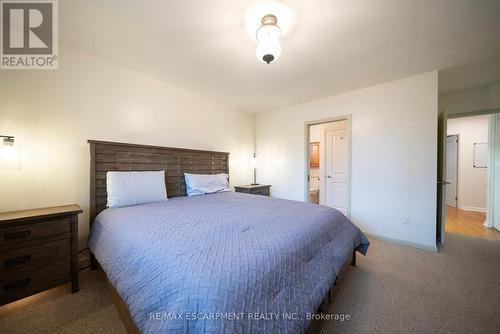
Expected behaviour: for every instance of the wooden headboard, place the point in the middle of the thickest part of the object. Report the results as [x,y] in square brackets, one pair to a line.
[110,156]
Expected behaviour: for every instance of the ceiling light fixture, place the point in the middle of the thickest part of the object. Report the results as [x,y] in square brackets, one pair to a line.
[268,39]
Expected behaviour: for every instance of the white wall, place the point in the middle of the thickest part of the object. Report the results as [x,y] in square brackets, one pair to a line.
[394,151]
[471,181]
[471,99]
[315,133]
[53,113]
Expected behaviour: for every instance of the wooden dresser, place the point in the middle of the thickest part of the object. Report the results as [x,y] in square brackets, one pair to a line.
[254,189]
[38,251]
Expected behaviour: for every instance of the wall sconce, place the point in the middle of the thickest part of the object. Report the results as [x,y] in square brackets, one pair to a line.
[254,166]
[10,157]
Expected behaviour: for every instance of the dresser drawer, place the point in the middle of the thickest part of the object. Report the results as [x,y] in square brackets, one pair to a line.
[19,259]
[38,250]
[254,189]
[262,191]
[242,190]
[23,284]
[11,236]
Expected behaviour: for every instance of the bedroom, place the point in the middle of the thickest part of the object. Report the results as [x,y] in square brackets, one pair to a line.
[132,73]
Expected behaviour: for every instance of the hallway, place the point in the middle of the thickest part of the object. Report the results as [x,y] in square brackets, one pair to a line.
[469,223]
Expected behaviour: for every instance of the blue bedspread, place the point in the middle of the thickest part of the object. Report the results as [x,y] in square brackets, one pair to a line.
[223,263]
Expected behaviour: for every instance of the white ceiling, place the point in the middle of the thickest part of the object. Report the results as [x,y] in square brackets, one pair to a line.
[469,75]
[335,46]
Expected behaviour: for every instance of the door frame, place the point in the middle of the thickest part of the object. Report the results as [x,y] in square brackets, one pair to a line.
[490,183]
[456,168]
[307,124]
[492,138]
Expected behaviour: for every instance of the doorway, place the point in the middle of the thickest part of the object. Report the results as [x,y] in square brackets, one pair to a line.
[328,163]
[465,176]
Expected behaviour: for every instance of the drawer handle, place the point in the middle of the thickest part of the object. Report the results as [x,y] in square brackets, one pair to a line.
[17,284]
[17,235]
[16,260]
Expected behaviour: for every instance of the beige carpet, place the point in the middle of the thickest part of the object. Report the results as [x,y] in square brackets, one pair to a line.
[398,289]
[394,289]
[58,311]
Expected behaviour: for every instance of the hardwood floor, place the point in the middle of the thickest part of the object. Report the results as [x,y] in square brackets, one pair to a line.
[469,223]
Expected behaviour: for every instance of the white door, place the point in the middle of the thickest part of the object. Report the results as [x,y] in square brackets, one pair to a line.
[337,169]
[451,170]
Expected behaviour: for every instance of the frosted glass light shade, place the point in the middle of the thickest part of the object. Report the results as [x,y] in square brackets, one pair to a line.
[254,161]
[268,46]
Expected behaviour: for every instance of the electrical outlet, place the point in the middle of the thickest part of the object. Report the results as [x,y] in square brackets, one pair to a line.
[405,220]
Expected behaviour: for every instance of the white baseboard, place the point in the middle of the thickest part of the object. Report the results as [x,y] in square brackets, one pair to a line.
[487,224]
[472,208]
[403,242]
[453,204]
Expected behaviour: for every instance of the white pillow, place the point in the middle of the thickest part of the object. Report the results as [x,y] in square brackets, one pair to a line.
[201,184]
[132,188]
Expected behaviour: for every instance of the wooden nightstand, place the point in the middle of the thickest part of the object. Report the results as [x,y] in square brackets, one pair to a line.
[259,189]
[38,251]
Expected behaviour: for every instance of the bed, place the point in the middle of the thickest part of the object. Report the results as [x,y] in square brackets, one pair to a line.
[218,263]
